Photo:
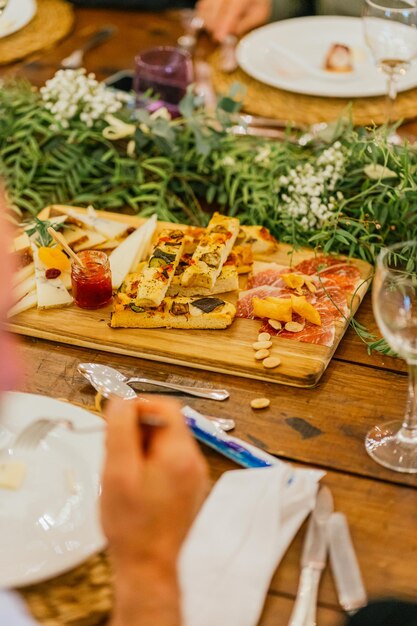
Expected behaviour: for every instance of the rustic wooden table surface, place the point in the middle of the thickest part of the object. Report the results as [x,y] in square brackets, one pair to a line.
[331,422]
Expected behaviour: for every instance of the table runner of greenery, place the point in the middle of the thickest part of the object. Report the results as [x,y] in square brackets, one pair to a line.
[74,141]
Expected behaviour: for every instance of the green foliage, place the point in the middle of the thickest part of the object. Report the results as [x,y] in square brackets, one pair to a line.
[181,167]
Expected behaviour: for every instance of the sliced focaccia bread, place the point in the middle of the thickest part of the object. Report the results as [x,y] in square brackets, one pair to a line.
[211,253]
[158,273]
[181,312]
[242,258]
[227,281]
[258,237]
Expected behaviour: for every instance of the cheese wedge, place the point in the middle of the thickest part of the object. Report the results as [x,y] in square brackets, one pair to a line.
[127,255]
[23,273]
[157,275]
[110,229]
[211,253]
[29,301]
[26,286]
[51,292]
[185,313]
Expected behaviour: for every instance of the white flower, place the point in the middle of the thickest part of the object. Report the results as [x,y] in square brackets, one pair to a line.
[307,189]
[72,93]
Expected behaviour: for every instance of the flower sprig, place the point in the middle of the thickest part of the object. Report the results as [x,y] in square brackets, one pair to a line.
[74,94]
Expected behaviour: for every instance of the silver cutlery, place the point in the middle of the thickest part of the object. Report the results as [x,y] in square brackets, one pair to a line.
[188,41]
[228,60]
[313,561]
[110,382]
[346,573]
[75,59]
[31,436]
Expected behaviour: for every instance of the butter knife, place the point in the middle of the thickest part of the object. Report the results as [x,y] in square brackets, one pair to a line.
[347,576]
[75,59]
[313,561]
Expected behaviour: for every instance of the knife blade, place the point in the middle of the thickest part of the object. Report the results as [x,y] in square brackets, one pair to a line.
[345,567]
[313,561]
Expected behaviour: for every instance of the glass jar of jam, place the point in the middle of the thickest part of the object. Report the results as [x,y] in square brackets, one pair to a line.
[91,284]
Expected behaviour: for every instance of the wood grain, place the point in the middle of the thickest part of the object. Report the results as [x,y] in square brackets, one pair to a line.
[228,351]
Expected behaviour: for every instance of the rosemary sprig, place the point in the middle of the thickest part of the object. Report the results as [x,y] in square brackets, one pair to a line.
[40,227]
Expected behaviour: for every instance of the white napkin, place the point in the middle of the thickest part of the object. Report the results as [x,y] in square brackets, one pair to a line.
[13,611]
[237,541]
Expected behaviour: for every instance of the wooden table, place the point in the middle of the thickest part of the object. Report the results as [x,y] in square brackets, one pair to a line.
[323,427]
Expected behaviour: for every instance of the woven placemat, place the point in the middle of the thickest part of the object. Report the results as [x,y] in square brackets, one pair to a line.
[261,99]
[82,597]
[53,21]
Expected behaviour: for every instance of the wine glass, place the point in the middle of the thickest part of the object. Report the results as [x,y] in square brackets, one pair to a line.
[167,72]
[391,34]
[394,300]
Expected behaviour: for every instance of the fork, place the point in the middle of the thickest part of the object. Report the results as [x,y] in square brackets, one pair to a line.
[75,59]
[31,436]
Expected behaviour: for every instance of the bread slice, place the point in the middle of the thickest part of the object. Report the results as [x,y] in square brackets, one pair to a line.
[258,238]
[181,312]
[211,253]
[158,273]
[227,281]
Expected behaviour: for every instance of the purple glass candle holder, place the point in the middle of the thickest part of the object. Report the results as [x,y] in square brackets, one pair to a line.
[167,71]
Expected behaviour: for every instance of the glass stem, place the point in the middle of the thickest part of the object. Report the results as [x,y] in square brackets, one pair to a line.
[408,432]
[391,95]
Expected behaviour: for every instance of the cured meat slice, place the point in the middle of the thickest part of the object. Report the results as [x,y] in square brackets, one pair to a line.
[319,335]
[346,274]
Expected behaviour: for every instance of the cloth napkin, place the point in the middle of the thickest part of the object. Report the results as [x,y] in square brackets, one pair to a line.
[238,540]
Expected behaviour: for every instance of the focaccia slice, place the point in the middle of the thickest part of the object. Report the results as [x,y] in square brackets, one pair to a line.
[258,237]
[181,312]
[227,281]
[157,275]
[211,253]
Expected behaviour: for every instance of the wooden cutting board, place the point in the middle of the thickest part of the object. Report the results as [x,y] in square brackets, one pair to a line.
[228,351]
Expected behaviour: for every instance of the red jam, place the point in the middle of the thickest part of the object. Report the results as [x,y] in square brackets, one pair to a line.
[91,284]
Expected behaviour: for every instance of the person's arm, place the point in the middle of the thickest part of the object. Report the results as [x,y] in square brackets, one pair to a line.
[225,17]
[154,482]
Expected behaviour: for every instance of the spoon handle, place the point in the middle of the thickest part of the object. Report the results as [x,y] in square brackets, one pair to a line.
[199,392]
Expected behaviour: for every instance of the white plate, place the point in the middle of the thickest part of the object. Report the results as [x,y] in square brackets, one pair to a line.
[310,38]
[16,15]
[51,523]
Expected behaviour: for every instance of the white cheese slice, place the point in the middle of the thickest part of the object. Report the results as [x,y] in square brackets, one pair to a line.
[22,242]
[23,273]
[110,229]
[93,240]
[12,474]
[24,287]
[51,292]
[29,301]
[125,257]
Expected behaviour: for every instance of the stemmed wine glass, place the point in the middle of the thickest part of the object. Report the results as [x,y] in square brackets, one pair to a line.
[394,299]
[391,34]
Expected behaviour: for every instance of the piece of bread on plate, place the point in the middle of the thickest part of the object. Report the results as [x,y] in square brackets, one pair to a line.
[258,238]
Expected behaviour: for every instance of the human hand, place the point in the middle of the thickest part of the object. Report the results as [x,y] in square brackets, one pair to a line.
[233,17]
[154,481]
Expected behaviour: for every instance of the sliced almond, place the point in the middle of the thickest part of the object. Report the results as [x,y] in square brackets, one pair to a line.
[311,286]
[260,355]
[260,403]
[261,345]
[275,324]
[294,327]
[264,337]
[271,362]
